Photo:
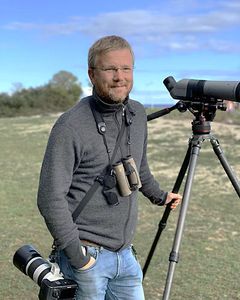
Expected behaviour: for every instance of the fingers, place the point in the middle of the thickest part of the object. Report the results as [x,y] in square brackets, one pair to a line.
[89,264]
[175,203]
[175,199]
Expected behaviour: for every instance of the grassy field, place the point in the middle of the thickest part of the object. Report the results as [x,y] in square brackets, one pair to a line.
[209,256]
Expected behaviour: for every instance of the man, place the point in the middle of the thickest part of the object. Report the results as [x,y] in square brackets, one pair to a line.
[96,250]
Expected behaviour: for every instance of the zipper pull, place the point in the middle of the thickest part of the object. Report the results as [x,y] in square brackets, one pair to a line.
[128,118]
[123,110]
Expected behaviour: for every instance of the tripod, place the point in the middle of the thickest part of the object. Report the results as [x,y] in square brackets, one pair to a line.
[201,128]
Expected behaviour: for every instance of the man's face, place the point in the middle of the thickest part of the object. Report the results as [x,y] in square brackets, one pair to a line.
[112,75]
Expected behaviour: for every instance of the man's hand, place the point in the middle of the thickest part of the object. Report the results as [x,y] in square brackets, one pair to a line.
[89,264]
[177,198]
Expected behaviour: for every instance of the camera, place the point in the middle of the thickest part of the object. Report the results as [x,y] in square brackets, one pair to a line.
[45,273]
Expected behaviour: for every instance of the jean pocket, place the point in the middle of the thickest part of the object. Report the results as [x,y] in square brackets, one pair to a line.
[134,252]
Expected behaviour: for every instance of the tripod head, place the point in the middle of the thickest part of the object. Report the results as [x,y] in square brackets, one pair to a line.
[204,113]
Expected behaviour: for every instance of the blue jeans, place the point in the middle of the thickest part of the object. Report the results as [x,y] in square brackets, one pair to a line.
[114,276]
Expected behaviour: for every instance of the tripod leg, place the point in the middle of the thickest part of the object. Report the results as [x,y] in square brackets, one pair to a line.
[219,152]
[174,255]
[163,222]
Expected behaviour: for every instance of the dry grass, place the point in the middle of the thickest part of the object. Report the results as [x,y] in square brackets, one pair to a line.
[209,261]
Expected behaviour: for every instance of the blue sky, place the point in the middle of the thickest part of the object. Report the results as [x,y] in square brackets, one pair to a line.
[182,38]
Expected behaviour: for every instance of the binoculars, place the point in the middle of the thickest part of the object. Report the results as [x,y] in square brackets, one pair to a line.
[127,176]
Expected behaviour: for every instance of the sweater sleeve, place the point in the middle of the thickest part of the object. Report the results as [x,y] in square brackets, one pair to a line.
[60,159]
[150,187]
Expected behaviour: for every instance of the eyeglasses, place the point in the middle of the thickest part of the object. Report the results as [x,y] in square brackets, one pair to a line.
[112,69]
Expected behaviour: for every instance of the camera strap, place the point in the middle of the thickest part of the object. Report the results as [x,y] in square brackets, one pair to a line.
[99,180]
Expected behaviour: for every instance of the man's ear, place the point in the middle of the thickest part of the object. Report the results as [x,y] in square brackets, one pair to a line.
[91,75]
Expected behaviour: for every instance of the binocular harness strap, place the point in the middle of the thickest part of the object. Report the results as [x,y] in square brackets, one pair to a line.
[99,180]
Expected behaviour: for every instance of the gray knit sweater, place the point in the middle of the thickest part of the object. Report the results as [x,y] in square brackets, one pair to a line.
[74,156]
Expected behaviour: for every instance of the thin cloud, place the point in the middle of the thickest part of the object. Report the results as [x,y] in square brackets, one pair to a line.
[185,31]
[48,29]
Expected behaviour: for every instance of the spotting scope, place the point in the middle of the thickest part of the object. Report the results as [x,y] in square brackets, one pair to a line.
[202,90]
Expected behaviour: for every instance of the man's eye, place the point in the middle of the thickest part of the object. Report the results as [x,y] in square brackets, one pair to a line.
[115,69]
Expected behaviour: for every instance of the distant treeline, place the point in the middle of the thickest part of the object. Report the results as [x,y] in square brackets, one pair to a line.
[60,93]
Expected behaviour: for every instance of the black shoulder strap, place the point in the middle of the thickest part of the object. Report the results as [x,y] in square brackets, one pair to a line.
[85,200]
[101,126]
[99,179]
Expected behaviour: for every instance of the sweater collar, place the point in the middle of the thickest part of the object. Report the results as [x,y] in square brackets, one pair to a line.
[105,107]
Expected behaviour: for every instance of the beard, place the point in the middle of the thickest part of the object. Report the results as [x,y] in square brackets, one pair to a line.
[115,97]
[116,94]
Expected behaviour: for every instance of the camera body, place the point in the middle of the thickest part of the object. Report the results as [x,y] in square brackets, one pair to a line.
[57,289]
[46,274]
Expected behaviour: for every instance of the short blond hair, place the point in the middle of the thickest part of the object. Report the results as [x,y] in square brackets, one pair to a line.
[105,44]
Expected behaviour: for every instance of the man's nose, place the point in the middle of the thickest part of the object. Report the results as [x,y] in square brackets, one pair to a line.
[118,73]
